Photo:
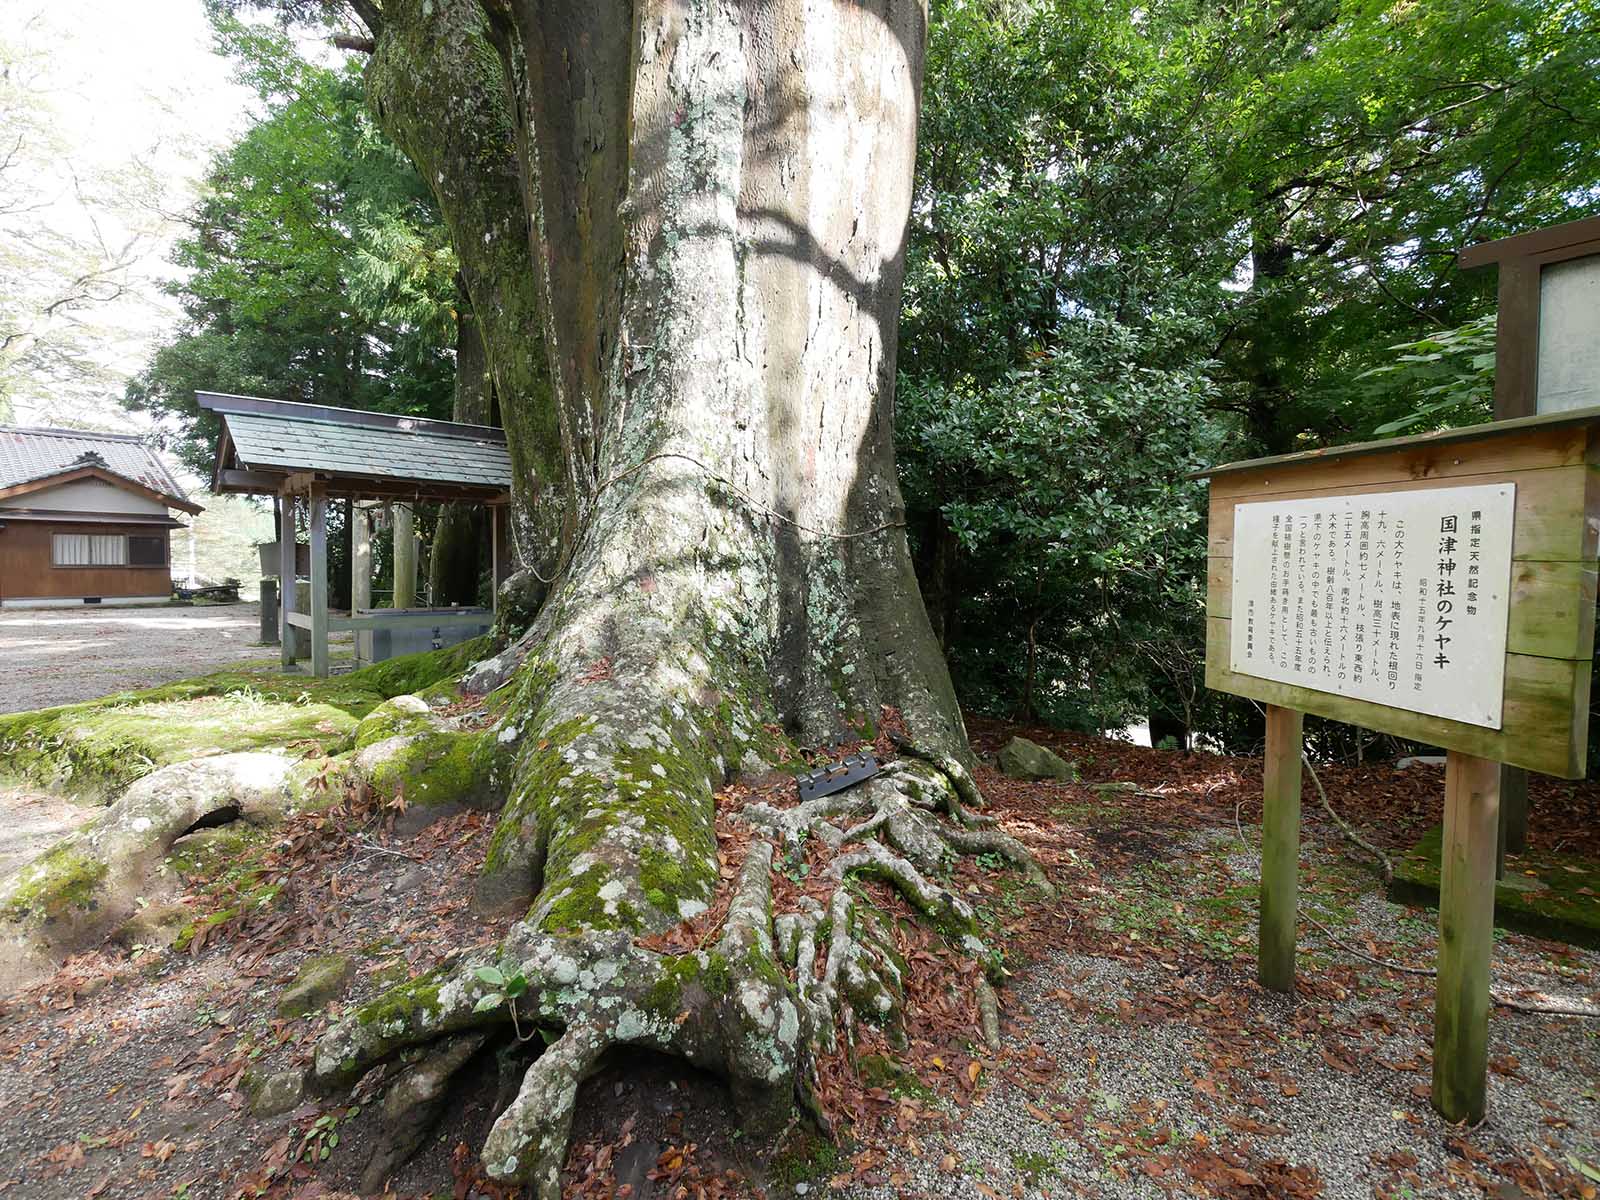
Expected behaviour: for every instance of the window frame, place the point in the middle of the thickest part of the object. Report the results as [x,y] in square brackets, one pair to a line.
[125,539]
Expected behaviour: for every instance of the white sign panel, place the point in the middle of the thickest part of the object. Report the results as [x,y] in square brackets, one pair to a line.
[1400,598]
[1569,335]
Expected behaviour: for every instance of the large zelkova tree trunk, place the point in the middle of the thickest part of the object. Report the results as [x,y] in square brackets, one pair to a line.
[436,86]
[718,196]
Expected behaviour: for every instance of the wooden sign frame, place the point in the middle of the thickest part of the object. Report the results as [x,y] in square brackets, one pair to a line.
[1554,461]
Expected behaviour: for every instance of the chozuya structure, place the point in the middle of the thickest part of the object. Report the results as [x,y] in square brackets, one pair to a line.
[84,518]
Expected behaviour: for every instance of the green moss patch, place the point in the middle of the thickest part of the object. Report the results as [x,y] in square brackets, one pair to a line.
[412,673]
[58,884]
[1549,895]
[805,1158]
[97,748]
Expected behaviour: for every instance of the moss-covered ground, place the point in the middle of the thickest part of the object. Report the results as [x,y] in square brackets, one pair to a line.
[1550,895]
[95,749]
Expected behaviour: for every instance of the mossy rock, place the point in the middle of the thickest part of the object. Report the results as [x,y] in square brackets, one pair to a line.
[402,749]
[272,1093]
[95,749]
[1555,896]
[1022,759]
[321,979]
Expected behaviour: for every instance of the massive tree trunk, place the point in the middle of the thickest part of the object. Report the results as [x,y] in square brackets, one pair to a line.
[718,196]
[436,87]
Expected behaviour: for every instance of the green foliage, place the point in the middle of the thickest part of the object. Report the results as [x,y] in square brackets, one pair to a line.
[1450,373]
[1062,488]
[1146,238]
[316,267]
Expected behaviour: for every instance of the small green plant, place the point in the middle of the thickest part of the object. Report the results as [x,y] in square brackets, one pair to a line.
[322,1137]
[507,989]
[794,865]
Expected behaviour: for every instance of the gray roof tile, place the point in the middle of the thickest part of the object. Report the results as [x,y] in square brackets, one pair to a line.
[29,454]
[295,444]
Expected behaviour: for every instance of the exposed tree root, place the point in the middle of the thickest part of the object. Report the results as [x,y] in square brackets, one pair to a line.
[749,1005]
[85,886]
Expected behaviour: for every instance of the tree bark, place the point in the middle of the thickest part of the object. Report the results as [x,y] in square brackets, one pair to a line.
[457,559]
[436,87]
[718,197]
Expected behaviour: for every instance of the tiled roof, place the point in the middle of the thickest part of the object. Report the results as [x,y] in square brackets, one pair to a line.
[29,454]
[283,436]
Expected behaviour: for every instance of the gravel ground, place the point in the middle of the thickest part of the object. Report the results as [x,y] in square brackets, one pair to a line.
[1139,1058]
[1325,1094]
[64,655]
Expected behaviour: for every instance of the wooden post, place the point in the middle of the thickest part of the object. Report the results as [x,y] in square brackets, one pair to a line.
[494,558]
[319,583]
[286,543]
[1466,936]
[405,557]
[361,574]
[1513,810]
[1280,848]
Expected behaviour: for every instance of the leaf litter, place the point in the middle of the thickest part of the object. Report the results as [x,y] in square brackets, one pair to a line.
[1138,1058]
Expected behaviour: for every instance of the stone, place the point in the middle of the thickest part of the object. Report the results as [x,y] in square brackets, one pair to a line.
[321,979]
[1022,759]
[155,925]
[271,1094]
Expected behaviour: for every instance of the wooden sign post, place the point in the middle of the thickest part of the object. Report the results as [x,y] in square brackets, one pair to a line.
[1547,359]
[1440,588]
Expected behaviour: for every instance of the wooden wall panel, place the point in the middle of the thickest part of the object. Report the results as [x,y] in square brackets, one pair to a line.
[26,571]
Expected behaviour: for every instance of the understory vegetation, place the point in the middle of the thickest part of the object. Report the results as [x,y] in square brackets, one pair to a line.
[850,414]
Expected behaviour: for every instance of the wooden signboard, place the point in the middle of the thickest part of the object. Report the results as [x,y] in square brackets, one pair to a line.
[1440,588]
[1537,577]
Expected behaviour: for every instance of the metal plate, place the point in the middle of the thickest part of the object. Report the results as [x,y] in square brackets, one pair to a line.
[835,777]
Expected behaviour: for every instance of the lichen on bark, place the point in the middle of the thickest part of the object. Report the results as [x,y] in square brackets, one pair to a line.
[713,201]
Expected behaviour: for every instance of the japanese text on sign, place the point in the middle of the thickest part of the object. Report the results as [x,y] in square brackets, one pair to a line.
[1399,598]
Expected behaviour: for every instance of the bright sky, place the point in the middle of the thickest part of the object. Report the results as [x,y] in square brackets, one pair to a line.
[127,81]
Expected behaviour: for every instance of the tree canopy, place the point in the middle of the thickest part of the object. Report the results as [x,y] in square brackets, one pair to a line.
[315,268]
[1151,236]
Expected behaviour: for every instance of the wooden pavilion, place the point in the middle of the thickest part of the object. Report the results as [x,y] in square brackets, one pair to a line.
[311,453]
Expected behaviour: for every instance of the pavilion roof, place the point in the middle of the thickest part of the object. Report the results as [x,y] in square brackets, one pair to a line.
[354,452]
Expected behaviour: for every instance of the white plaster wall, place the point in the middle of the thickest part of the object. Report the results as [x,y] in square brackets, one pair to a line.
[86,495]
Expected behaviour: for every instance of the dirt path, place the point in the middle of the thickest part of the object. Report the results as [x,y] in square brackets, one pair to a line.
[64,655]
[30,821]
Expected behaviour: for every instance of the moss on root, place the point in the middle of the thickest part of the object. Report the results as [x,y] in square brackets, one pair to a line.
[58,884]
[96,749]
[413,673]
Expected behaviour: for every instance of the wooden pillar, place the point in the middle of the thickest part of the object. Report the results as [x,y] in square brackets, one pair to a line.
[1516,394]
[1514,809]
[494,558]
[405,557]
[1466,936]
[319,583]
[286,544]
[361,573]
[1280,848]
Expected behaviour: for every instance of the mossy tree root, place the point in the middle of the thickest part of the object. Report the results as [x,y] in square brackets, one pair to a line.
[750,1009]
[83,888]
[729,1010]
